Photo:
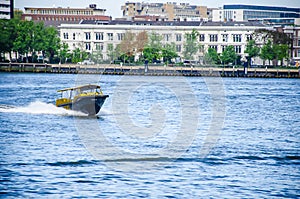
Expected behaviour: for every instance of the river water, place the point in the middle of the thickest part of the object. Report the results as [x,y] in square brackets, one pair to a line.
[155,137]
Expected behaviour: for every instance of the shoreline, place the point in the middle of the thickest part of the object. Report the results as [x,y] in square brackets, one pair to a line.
[114,69]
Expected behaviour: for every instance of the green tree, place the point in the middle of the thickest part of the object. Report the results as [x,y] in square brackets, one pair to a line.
[275,38]
[51,42]
[169,52]
[281,52]
[79,55]
[212,57]
[252,50]
[228,55]
[267,52]
[8,34]
[152,51]
[97,56]
[151,54]
[191,45]
[110,51]
[63,52]
[155,41]
[23,42]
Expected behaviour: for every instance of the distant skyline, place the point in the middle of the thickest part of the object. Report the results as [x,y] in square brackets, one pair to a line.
[113,7]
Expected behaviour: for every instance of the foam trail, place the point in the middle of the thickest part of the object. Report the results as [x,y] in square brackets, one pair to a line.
[40,108]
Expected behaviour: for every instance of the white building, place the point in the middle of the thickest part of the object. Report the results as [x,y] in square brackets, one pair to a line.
[6,9]
[218,35]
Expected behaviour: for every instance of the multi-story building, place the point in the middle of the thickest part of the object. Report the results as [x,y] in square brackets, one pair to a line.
[6,9]
[170,11]
[268,14]
[294,32]
[57,16]
[93,36]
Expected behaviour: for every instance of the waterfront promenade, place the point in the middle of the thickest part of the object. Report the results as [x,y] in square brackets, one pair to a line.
[114,69]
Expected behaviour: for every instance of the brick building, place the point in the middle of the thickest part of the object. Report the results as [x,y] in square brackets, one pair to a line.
[59,15]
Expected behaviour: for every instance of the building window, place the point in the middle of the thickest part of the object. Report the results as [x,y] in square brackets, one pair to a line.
[299,42]
[213,47]
[99,35]
[237,38]
[249,37]
[213,38]
[201,37]
[88,46]
[66,36]
[110,36]
[223,48]
[74,36]
[166,37]
[178,37]
[110,47]
[88,36]
[178,48]
[99,46]
[121,36]
[238,49]
[225,37]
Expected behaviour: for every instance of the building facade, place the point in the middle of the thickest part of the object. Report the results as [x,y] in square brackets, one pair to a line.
[57,16]
[6,9]
[94,36]
[170,11]
[267,14]
[294,33]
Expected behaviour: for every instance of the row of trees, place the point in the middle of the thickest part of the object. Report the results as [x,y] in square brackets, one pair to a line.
[272,46]
[26,37]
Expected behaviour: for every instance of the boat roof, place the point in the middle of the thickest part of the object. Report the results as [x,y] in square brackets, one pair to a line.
[83,87]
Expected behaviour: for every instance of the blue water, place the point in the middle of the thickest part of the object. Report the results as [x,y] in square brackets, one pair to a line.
[155,137]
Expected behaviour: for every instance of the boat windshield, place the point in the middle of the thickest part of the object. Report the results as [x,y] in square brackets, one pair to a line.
[70,93]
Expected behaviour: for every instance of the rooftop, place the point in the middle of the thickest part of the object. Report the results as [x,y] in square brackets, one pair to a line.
[172,23]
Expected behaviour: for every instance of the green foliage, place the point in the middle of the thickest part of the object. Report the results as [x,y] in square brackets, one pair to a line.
[152,50]
[97,56]
[212,56]
[110,52]
[169,52]
[24,37]
[191,45]
[228,55]
[7,35]
[281,52]
[155,41]
[252,50]
[151,54]
[267,52]
[275,37]
[276,45]
[79,55]
[63,52]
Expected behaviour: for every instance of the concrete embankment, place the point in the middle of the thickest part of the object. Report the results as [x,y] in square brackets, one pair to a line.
[112,69]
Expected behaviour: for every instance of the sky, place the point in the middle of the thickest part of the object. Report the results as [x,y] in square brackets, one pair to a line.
[113,7]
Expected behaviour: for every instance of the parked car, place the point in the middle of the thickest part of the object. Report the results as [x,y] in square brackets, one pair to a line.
[86,62]
[190,63]
[42,59]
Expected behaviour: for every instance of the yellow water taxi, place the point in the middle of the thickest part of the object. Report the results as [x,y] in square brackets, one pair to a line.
[86,98]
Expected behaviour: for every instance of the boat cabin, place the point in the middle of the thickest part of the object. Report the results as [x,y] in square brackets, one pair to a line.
[69,94]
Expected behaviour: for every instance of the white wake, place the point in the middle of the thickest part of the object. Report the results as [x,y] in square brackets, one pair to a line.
[40,108]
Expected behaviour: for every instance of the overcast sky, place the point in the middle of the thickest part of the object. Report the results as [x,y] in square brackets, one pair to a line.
[113,7]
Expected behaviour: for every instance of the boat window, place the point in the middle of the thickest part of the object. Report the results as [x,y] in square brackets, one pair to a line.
[66,94]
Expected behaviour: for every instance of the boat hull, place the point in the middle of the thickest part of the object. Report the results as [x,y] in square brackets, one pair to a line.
[89,105]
